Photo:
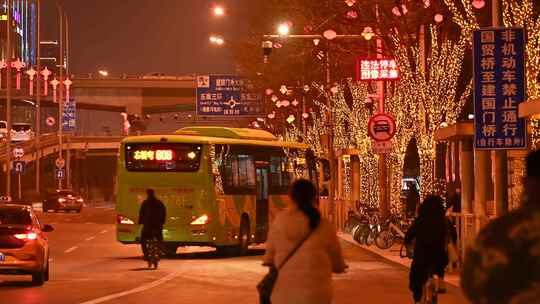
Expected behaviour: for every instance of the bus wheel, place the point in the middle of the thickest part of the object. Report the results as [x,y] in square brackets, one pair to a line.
[244,237]
[170,248]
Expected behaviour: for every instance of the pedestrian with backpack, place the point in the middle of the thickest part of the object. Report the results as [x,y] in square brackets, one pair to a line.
[302,252]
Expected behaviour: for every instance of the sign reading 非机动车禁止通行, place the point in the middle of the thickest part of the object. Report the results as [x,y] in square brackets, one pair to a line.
[499,87]
[69,119]
[227,95]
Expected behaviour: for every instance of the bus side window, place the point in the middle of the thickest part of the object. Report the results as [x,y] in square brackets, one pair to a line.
[280,176]
[238,173]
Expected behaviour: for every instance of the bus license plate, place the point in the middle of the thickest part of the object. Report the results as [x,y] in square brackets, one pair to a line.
[2,257]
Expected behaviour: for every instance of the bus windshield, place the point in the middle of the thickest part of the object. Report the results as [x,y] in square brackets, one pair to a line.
[163,157]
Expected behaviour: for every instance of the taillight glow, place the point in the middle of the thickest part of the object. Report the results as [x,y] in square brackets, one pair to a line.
[27,236]
[120,219]
[201,220]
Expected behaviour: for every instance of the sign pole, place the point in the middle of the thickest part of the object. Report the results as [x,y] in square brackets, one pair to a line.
[383,177]
[8,96]
[20,185]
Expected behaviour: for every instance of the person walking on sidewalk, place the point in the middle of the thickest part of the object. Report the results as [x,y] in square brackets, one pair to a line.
[503,265]
[429,232]
[306,277]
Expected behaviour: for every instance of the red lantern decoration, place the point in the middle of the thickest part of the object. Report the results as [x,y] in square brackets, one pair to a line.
[55,84]
[46,73]
[31,73]
[18,65]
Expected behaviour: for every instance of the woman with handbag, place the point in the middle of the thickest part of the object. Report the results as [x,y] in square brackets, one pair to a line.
[302,251]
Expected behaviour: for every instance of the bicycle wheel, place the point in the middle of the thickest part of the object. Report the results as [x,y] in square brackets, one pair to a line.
[371,237]
[385,239]
[357,234]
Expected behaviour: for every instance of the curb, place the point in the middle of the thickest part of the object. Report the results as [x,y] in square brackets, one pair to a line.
[451,279]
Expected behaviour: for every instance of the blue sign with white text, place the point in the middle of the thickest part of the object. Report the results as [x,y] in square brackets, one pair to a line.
[499,88]
[227,95]
[69,119]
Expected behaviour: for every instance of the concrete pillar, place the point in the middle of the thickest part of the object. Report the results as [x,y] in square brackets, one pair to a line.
[466,170]
[482,177]
[501,182]
[340,177]
[355,184]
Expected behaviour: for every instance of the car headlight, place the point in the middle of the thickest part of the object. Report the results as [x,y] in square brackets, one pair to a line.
[120,219]
[61,200]
[201,220]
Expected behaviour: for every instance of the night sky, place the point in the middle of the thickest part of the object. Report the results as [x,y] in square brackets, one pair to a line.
[143,36]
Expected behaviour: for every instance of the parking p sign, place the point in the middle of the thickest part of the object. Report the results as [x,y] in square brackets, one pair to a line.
[382,127]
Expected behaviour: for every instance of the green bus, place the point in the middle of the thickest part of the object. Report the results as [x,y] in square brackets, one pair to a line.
[221,186]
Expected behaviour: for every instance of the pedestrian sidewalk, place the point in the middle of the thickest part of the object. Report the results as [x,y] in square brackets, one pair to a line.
[392,255]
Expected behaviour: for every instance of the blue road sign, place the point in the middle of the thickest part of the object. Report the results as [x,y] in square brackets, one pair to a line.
[499,88]
[69,119]
[227,95]
[19,166]
[60,173]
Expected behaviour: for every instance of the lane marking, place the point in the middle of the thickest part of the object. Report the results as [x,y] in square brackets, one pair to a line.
[90,238]
[71,249]
[141,288]
[103,231]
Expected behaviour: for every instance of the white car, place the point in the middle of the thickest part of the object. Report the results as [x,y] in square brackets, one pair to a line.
[21,132]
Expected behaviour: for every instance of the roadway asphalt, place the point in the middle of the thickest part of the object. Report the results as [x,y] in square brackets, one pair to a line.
[88,266]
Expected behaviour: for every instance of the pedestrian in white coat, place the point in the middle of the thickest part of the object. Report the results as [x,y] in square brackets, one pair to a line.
[306,278]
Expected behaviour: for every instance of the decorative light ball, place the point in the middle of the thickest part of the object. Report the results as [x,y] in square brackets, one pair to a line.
[295,103]
[306,88]
[283,89]
[278,104]
[397,12]
[285,103]
[478,4]
[274,98]
[330,34]
[352,14]
[470,116]
[291,119]
[438,18]
[305,115]
[350,2]
[368,33]
[268,92]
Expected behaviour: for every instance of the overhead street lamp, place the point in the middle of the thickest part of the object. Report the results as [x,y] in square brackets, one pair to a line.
[284,29]
[217,40]
[218,11]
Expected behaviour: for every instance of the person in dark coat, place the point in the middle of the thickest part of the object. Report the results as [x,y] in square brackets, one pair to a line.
[413,198]
[503,264]
[152,217]
[429,232]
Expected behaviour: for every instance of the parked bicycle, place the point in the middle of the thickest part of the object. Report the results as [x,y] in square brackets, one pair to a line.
[393,231]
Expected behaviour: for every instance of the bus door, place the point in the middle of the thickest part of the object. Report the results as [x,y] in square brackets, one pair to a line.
[262,206]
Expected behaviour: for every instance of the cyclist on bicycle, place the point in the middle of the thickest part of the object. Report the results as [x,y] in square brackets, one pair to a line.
[429,232]
[152,216]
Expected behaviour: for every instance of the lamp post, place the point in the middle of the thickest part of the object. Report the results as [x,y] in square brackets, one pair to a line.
[8,95]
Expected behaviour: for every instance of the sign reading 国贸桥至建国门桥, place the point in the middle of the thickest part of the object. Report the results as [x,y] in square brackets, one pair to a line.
[227,95]
[499,88]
